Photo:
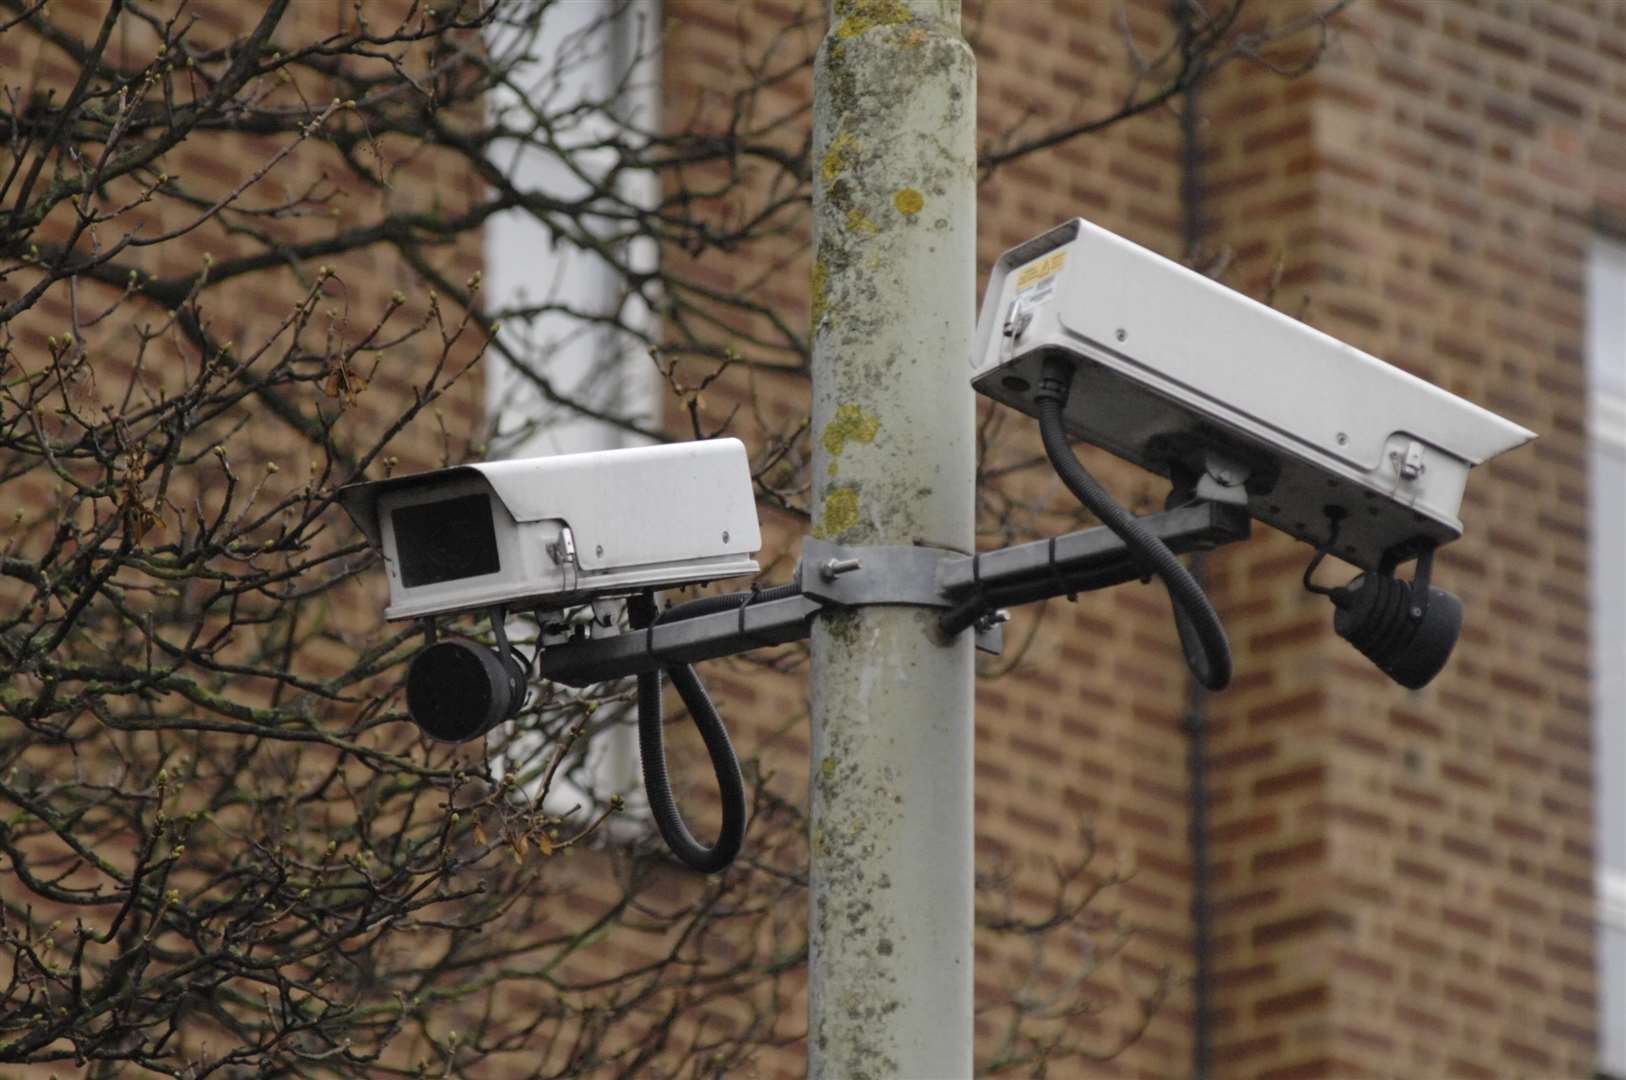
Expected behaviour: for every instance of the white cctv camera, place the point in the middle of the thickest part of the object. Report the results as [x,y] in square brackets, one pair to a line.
[1169,365]
[553,532]
[545,533]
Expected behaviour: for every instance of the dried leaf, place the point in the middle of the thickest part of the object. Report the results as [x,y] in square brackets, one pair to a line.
[343,382]
[140,512]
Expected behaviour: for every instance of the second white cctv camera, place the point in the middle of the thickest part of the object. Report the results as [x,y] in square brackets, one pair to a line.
[1168,364]
[553,532]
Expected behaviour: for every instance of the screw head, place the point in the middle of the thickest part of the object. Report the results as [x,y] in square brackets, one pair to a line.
[831,569]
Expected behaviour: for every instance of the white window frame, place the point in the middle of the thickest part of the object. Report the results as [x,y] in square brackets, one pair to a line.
[1612,897]
[1606,425]
[526,263]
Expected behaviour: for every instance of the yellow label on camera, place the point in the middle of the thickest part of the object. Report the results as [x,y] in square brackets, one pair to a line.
[1035,272]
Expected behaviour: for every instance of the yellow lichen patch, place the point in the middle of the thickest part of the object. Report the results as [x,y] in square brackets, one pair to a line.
[840,514]
[851,424]
[839,158]
[908,201]
[858,16]
[821,291]
[859,222]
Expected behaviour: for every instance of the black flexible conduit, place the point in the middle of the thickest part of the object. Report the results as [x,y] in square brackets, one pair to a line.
[652,743]
[1202,635]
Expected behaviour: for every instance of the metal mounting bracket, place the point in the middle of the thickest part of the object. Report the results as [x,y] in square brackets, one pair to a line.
[968,591]
[871,574]
[841,576]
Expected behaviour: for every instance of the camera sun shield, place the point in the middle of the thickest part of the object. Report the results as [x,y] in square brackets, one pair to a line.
[557,531]
[1171,364]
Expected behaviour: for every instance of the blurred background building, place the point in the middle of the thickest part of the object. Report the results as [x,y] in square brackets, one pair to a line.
[1314,873]
[1390,883]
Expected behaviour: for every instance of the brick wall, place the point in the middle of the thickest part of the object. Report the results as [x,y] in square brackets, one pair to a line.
[1079,736]
[1403,879]
[1450,162]
[266,456]
[251,312]
[248,309]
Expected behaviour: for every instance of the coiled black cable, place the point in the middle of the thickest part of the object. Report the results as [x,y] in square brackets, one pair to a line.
[1202,635]
[652,743]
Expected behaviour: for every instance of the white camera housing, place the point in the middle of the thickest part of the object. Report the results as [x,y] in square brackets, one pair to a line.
[552,532]
[1169,363]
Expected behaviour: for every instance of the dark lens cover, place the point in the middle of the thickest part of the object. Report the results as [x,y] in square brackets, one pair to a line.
[445,541]
[457,690]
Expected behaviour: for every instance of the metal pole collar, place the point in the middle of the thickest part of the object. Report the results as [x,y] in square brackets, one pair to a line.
[872,574]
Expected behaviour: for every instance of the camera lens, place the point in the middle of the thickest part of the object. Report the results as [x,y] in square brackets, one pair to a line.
[1408,642]
[457,690]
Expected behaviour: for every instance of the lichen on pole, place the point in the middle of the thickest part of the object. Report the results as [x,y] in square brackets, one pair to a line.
[893,307]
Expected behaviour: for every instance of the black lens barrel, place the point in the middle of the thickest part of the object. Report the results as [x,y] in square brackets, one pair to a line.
[458,690]
[1408,641]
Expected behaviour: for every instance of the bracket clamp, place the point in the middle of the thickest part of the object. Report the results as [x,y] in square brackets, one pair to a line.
[871,574]
[842,576]
[969,590]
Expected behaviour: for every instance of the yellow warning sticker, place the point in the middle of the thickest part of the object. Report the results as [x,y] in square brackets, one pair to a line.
[1037,271]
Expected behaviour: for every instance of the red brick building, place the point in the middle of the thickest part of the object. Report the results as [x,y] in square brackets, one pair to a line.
[1393,884]
[1401,884]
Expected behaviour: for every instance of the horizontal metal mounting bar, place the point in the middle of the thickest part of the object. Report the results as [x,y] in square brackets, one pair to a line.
[837,576]
[682,641]
[1089,559]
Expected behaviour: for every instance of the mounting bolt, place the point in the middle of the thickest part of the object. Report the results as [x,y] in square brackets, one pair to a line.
[1409,464]
[992,619]
[831,569]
